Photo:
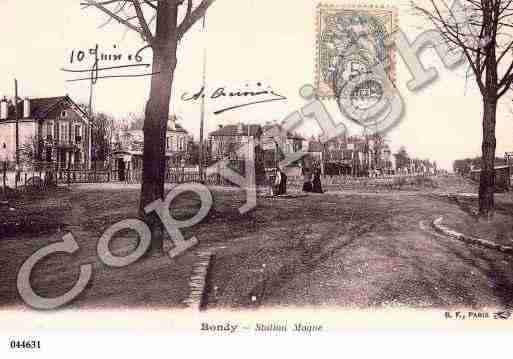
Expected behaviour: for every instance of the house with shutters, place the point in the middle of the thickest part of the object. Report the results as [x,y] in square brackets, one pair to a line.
[56,128]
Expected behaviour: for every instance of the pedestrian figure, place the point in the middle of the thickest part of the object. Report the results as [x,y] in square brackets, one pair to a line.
[307,179]
[272,179]
[316,183]
[276,185]
[283,183]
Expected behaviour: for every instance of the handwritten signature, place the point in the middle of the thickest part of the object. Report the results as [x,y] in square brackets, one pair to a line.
[254,96]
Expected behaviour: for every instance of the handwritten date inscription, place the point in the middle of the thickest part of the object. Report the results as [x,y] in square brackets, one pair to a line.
[99,63]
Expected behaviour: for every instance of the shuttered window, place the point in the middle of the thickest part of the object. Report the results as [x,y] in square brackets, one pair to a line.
[64,131]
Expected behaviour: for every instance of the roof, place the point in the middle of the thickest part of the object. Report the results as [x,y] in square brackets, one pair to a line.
[233,130]
[40,107]
[138,126]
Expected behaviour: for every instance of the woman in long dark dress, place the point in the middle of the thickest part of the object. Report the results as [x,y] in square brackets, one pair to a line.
[283,182]
[317,186]
[307,180]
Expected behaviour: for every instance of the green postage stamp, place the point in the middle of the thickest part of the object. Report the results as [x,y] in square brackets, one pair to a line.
[350,41]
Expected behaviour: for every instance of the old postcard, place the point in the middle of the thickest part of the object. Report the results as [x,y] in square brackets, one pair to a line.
[229,167]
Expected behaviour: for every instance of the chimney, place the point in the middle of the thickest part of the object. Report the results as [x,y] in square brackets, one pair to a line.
[26,107]
[4,109]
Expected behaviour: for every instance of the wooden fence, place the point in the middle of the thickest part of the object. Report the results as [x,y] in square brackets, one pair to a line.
[69,176]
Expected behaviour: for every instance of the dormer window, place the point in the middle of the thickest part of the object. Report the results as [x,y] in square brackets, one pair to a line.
[63,113]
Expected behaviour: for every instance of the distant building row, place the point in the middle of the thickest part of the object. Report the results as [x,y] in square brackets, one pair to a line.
[59,132]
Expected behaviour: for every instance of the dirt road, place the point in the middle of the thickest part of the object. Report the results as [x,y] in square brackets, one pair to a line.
[346,249]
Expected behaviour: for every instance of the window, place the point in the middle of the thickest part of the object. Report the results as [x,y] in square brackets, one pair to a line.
[49,131]
[63,113]
[78,133]
[64,132]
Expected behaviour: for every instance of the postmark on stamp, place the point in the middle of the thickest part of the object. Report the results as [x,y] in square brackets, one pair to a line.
[355,58]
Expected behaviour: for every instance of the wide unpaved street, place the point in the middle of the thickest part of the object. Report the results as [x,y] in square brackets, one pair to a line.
[340,248]
[358,250]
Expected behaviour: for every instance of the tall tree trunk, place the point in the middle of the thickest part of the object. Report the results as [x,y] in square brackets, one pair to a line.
[490,98]
[156,117]
[487,177]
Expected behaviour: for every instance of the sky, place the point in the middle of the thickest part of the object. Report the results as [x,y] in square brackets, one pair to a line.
[247,42]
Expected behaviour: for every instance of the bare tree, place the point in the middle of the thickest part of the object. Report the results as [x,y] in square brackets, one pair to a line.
[168,32]
[30,152]
[101,136]
[481,31]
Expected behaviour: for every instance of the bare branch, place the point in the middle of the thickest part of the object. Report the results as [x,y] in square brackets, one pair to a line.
[192,16]
[453,34]
[119,9]
[142,21]
[116,17]
[189,8]
[147,2]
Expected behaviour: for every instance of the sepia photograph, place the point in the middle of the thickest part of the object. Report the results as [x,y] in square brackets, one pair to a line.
[251,167]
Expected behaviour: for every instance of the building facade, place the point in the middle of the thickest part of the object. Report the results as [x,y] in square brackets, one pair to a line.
[226,140]
[355,155]
[272,143]
[52,131]
[128,146]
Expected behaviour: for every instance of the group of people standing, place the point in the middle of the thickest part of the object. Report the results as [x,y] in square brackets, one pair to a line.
[312,180]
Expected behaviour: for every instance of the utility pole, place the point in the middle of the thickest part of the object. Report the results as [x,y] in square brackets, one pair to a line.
[202,118]
[90,132]
[508,156]
[250,143]
[17,133]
